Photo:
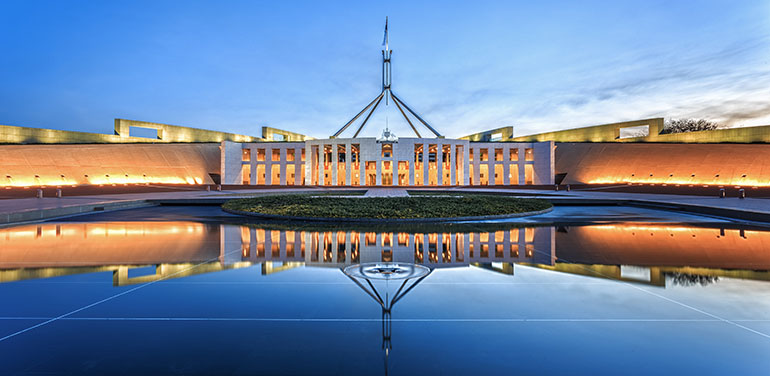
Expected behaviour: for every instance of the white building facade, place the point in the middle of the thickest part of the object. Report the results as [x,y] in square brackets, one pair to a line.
[408,162]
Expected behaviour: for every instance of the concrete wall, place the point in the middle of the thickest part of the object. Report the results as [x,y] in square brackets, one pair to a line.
[505,134]
[256,160]
[612,133]
[541,160]
[230,162]
[266,163]
[33,165]
[176,133]
[165,133]
[274,134]
[725,164]
[23,135]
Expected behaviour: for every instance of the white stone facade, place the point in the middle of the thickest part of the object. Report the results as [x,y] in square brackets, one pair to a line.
[406,162]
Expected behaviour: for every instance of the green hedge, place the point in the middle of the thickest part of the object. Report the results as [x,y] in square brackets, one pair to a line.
[386,207]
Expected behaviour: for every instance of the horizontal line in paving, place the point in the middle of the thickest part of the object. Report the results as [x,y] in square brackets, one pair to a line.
[300,319]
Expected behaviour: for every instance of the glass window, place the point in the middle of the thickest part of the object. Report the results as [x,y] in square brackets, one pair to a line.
[514,154]
[387,150]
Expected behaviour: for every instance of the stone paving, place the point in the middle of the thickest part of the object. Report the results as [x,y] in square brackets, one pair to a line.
[31,209]
[386,192]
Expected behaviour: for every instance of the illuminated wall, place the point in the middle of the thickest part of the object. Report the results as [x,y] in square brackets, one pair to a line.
[274,134]
[176,133]
[60,165]
[614,132]
[649,244]
[717,164]
[407,162]
[113,243]
[122,134]
[497,134]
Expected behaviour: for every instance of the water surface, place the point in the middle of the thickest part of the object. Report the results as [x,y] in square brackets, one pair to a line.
[177,290]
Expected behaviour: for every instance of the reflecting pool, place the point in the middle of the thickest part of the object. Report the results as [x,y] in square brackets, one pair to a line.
[196,291]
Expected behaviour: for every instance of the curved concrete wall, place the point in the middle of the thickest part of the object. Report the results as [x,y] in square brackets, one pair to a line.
[33,165]
[717,164]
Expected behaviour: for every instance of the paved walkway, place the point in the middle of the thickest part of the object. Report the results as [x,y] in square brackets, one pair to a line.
[386,192]
[32,209]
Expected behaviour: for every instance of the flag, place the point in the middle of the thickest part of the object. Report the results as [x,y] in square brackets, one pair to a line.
[385,37]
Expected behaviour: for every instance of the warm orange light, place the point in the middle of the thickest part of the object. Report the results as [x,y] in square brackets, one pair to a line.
[22,182]
[664,180]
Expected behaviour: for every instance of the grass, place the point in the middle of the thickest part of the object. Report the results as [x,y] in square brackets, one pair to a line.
[386,207]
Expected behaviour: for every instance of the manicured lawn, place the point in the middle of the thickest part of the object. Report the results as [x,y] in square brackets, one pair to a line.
[386,207]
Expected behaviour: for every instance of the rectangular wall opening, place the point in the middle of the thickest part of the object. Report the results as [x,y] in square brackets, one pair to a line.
[314,165]
[446,165]
[529,174]
[387,173]
[513,174]
[484,174]
[529,154]
[459,157]
[371,173]
[499,174]
[260,174]
[418,176]
[246,174]
[275,175]
[290,175]
[634,132]
[403,173]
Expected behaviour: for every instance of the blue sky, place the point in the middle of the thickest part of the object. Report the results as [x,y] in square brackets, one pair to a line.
[310,66]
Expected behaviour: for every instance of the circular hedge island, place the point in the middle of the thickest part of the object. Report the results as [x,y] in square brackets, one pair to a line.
[414,208]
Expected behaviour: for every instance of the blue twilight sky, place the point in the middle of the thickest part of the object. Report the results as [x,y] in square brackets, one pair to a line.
[308,66]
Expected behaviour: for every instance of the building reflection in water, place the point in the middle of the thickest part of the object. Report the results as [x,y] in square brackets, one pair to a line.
[650,254]
[342,248]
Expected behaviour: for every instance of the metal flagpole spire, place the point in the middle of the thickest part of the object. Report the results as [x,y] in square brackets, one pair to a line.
[389,95]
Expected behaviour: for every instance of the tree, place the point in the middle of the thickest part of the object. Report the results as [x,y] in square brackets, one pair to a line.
[689,125]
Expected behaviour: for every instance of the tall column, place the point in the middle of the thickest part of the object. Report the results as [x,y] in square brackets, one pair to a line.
[361,169]
[476,164]
[425,153]
[253,165]
[491,165]
[268,166]
[321,164]
[298,167]
[335,161]
[466,163]
[522,162]
[411,167]
[378,168]
[308,163]
[439,164]
[282,168]
[348,161]
[253,244]
[506,165]
[452,164]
